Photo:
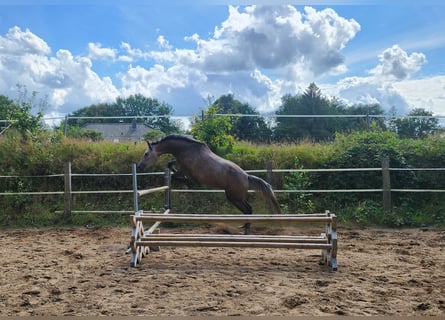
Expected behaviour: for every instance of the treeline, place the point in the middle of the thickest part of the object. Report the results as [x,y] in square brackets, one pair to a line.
[320,119]
[227,120]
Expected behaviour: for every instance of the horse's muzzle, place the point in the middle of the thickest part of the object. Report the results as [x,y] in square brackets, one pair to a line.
[141,166]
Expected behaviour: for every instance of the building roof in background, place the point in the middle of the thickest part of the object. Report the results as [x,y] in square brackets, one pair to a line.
[119,131]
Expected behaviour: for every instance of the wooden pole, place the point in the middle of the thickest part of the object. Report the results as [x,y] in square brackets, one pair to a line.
[386,185]
[68,194]
[233,238]
[238,218]
[146,243]
[152,190]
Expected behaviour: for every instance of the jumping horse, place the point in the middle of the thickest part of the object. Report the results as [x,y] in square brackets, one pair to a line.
[196,161]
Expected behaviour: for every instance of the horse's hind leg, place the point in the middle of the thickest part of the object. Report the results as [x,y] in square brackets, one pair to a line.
[242,205]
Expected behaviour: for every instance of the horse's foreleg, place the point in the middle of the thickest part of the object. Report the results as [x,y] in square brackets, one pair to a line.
[171,166]
[179,175]
[242,205]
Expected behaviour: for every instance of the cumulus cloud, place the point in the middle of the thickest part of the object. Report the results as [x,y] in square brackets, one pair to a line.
[130,54]
[68,81]
[428,93]
[236,58]
[395,63]
[384,86]
[370,90]
[269,37]
[18,42]
[97,52]
[163,43]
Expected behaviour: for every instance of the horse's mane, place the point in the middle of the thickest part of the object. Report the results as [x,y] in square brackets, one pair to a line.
[180,137]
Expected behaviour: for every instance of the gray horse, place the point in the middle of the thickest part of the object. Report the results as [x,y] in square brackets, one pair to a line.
[197,161]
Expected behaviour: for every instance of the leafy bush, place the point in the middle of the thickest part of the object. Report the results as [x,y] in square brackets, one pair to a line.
[299,202]
[366,150]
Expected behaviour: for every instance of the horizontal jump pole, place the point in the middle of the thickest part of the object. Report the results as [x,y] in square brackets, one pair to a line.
[248,244]
[234,238]
[148,191]
[302,219]
[156,224]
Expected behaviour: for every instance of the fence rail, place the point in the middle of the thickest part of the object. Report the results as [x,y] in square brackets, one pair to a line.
[385,170]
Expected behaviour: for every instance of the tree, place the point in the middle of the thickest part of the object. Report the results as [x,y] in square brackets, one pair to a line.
[97,111]
[287,128]
[250,128]
[157,114]
[310,103]
[419,124]
[25,114]
[315,104]
[362,124]
[213,130]
[6,105]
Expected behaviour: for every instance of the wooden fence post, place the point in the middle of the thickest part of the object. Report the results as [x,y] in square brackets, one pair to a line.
[386,181]
[68,195]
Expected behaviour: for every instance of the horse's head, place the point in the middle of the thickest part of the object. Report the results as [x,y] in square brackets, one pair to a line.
[149,158]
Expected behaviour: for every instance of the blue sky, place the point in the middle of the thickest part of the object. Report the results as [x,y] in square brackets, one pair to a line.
[80,53]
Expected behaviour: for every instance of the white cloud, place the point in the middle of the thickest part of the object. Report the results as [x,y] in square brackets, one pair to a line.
[395,63]
[235,59]
[53,118]
[388,86]
[248,43]
[270,37]
[158,79]
[370,90]
[97,52]
[131,53]
[18,42]
[163,43]
[68,81]
[58,97]
[428,94]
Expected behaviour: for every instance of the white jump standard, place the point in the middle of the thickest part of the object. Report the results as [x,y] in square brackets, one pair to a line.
[142,240]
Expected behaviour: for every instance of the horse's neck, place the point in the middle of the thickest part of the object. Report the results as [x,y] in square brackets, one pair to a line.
[173,147]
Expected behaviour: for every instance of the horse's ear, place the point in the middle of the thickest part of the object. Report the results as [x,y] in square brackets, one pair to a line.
[149,145]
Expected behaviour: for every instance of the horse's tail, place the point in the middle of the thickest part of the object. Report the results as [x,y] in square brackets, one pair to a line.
[259,184]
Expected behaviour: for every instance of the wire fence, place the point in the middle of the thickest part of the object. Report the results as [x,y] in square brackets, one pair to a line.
[441,118]
[257,171]
[67,176]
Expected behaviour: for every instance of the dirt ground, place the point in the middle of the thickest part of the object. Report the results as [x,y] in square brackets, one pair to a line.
[86,272]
